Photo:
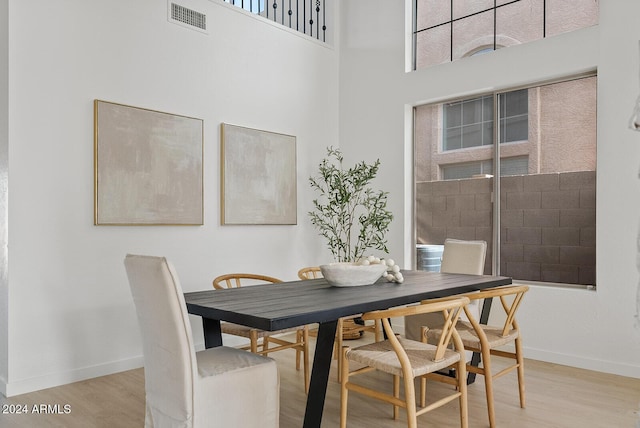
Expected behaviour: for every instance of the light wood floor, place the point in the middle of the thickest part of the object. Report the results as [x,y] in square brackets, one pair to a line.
[557,396]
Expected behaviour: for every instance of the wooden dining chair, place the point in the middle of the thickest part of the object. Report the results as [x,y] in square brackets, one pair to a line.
[347,326]
[262,341]
[458,256]
[409,359]
[485,339]
[310,272]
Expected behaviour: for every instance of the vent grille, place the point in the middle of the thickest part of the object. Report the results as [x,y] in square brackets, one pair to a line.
[189,17]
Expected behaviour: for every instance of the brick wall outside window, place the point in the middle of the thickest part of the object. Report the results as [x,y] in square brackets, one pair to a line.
[548,222]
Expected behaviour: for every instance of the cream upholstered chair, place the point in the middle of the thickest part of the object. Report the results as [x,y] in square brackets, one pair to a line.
[261,341]
[346,326]
[409,359]
[466,257]
[191,389]
[485,339]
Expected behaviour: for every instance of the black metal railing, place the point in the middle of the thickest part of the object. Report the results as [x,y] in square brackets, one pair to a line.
[305,16]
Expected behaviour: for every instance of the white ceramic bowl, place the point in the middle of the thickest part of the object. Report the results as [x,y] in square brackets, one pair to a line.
[350,274]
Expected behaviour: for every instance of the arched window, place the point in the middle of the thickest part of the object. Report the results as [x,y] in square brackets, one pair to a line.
[447,30]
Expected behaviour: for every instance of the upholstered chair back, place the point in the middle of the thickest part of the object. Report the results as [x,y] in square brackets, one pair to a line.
[169,356]
[463,257]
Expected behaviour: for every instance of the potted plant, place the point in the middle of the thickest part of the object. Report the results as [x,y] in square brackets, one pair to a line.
[350,215]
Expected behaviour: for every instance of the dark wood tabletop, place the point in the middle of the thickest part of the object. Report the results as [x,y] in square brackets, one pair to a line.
[291,304]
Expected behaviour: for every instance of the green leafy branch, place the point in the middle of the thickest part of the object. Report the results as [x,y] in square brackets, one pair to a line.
[345,199]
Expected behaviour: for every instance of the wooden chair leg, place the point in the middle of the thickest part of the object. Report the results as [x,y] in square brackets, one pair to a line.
[461,374]
[338,347]
[488,384]
[396,394]
[423,380]
[298,340]
[305,357]
[377,331]
[520,360]
[344,392]
[253,337]
[410,402]
[339,336]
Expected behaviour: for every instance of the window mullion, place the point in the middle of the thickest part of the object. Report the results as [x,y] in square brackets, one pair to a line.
[495,262]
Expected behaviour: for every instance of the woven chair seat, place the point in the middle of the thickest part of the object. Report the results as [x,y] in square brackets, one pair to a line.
[381,356]
[244,331]
[470,337]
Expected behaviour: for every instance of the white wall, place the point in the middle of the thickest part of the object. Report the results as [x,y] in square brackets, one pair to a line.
[4,145]
[589,329]
[71,315]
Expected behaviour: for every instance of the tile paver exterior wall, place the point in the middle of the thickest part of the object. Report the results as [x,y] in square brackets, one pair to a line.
[548,222]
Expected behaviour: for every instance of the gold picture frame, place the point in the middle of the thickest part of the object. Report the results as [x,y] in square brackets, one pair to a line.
[148,167]
[258,177]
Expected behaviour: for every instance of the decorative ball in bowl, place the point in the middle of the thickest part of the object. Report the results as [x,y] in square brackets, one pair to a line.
[346,274]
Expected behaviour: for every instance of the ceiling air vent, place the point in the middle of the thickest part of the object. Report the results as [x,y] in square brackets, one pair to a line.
[187,17]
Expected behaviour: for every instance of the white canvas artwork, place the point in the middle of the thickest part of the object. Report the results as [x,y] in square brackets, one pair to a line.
[148,167]
[258,176]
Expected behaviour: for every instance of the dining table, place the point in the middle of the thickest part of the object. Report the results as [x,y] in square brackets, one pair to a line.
[296,303]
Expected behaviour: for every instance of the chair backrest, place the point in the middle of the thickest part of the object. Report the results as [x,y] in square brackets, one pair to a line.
[310,272]
[451,309]
[463,257]
[235,280]
[510,297]
[169,356]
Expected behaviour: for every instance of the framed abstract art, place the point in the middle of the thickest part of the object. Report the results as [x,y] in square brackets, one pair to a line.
[258,176]
[148,167]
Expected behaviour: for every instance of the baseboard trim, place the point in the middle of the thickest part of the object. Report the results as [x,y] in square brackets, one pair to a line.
[611,367]
[3,386]
[23,386]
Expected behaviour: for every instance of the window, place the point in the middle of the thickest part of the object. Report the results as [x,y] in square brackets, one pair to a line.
[508,166]
[545,225]
[447,30]
[514,112]
[308,16]
[469,123]
[255,6]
